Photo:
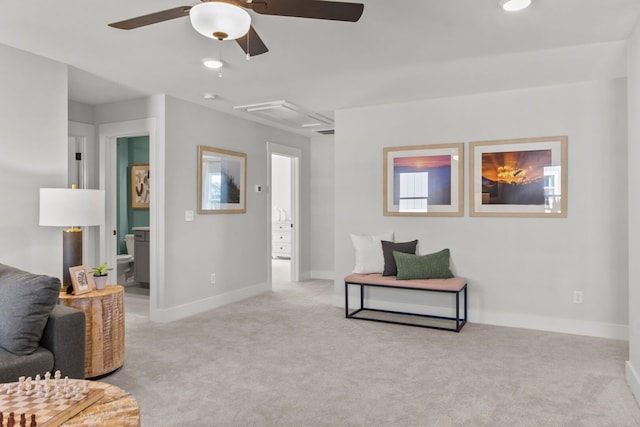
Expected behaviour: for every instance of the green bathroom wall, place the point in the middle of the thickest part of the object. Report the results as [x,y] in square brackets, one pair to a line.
[130,151]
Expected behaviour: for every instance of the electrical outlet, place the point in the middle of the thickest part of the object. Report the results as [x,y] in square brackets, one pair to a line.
[213,278]
[577,297]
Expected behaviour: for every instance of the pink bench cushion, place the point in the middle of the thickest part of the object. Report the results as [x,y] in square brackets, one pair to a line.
[454,284]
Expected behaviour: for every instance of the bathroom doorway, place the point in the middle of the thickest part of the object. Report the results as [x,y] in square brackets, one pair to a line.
[284,199]
[109,134]
[132,213]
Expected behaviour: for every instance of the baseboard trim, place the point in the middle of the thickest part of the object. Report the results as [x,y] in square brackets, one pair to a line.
[633,380]
[196,307]
[511,320]
[323,275]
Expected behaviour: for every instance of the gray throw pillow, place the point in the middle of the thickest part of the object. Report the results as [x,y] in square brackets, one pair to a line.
[432,266]
[26,300]
[390,268]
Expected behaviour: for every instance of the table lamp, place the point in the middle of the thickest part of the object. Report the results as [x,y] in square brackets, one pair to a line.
[74,208]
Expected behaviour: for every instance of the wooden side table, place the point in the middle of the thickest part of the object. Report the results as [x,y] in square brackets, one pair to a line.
[104,339]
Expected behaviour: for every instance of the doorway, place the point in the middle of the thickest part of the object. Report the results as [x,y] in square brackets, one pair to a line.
[284,213]
[109,242]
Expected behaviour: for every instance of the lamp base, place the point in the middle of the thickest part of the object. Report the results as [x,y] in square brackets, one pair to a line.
[71,254]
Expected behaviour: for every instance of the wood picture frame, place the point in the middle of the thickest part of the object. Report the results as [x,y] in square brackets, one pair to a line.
[222,181]
[140,186]
[81,280]
[524,177]
[423,180]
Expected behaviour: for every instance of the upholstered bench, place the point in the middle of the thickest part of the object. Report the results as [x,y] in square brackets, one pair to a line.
[456,286]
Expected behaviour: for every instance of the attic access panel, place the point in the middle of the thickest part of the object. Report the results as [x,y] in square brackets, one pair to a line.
[288,114]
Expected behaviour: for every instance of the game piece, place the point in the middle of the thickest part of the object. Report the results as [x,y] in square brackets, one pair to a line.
[45,410]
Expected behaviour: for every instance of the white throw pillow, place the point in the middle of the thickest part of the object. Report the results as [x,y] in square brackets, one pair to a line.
[369,258]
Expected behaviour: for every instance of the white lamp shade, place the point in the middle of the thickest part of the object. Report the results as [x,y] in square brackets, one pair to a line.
[66,207]
[222,18]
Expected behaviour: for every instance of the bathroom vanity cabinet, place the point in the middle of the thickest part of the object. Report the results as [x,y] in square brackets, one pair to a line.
[141,264]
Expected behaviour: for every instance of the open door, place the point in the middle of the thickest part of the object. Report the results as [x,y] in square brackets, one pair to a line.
[284,209]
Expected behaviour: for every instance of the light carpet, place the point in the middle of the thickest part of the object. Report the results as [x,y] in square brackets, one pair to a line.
[289,358]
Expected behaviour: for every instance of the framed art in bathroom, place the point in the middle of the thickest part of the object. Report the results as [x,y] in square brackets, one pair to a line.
[222,181]
[140,186]
[524,177]
[423,180]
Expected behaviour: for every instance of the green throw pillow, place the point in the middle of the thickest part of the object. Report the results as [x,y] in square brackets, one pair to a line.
[432,266]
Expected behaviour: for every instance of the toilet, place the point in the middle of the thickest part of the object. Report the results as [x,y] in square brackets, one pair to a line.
[125,261]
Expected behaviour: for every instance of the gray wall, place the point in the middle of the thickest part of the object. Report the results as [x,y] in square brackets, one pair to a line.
[33,147]
[322,207]
[521,271]
[233,246]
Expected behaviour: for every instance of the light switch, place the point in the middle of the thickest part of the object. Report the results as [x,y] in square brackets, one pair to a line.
[188,215]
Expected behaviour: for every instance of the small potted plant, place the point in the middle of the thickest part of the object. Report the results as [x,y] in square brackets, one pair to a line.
[100,274]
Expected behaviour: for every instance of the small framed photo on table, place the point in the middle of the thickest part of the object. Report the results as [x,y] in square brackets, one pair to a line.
[81,280]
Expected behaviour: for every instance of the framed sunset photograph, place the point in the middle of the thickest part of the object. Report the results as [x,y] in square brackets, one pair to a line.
[423,180]
[520,177]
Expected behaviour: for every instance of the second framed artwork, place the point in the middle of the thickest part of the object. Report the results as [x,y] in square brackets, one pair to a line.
[222,181]
[519,177]
[423,180]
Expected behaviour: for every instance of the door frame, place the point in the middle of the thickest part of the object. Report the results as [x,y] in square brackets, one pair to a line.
[295,154]
[109,134]
[81,138]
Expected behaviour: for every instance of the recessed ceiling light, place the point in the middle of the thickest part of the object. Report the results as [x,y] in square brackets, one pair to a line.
[212,63]
[514,5]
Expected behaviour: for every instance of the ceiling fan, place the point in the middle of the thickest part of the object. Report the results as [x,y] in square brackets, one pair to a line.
[227,19]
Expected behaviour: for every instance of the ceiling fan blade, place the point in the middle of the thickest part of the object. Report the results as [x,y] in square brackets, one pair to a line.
[252,44]
[152,18]
[335,11]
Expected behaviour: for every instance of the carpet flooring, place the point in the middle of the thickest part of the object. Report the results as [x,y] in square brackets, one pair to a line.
[289,358]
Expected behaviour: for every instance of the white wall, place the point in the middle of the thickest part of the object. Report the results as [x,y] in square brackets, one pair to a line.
[33,147]
[322,207]
[280,188]
[633,365]
[521,271]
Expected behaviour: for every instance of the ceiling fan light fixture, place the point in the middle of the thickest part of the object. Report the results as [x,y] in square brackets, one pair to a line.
[212,63]
[220,21]
[514,5]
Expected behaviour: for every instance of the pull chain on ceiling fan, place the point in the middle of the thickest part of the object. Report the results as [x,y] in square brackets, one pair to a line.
[227,19]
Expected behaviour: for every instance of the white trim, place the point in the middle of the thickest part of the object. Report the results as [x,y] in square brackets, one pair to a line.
[84,135]
[296,160]
[108,137]
[633,380]
[322,275]
[215,301]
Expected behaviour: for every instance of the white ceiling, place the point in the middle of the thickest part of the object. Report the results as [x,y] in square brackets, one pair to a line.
[398,51]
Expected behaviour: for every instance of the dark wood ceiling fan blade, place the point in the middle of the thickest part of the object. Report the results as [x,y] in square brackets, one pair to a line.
[152,18]
[335,11]
[252,44]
